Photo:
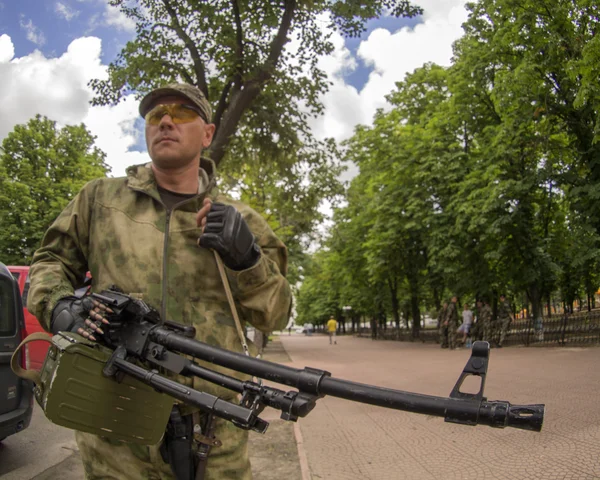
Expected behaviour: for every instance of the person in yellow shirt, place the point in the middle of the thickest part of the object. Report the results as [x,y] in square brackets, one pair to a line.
[331,328]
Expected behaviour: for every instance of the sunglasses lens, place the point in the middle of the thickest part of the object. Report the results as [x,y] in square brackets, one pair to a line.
[178,113]
[154,116]
[183,114]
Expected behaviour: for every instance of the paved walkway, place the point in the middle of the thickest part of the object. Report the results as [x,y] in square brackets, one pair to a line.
[345,440]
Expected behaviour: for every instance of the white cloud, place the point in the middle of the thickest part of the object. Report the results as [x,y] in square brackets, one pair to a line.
[7,49]
[57,88]
[391,55]
[34,34]
[116,134]
[65,11]
[113,17]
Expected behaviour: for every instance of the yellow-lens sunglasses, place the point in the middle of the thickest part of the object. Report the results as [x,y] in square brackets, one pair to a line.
[179,113]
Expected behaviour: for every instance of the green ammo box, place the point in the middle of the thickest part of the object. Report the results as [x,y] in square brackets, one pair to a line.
[75,394]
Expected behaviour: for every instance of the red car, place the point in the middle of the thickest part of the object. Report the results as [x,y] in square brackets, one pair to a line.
[16,394]
[35,351]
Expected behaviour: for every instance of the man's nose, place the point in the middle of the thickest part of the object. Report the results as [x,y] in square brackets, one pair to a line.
[166,122]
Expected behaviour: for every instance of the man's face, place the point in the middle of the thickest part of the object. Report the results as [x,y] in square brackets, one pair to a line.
[172,145]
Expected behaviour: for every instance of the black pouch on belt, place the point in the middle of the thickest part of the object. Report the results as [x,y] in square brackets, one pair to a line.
[176,449]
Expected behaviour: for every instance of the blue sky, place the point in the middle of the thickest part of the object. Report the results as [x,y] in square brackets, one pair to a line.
[51,49]
[50,26]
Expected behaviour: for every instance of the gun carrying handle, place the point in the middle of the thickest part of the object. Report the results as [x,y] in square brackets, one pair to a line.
[32,375]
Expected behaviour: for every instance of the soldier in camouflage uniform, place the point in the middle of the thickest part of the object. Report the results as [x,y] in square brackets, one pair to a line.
[140,232]
[442,329]
[485,321]
[451,321]
[503,320]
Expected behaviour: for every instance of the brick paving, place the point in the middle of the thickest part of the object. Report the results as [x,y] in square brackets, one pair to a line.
[346,440]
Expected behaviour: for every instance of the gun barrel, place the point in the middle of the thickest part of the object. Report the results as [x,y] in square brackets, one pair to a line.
[498,414]
[317,382]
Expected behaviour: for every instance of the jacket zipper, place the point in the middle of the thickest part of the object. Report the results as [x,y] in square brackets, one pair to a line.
[163,303]
[163,300]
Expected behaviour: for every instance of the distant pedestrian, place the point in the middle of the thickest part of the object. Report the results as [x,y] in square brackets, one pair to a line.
[451,322]
[443,329]
[504,318]
[467,321]
[331,329]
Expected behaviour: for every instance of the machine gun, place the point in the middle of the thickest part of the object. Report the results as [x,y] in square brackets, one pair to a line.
[139,334]
[79,390]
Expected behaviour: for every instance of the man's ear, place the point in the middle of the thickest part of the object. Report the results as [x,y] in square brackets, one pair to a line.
[209,132]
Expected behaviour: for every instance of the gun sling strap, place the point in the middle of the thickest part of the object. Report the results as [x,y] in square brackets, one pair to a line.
[238,324]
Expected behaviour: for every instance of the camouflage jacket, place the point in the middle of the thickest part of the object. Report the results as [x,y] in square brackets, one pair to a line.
[452,314]
[485,315]
[504,312]
[119,230]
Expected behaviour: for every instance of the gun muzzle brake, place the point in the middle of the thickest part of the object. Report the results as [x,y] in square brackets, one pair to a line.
[502,414]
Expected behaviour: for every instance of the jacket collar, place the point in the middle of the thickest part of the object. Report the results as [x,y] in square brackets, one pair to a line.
[141,177]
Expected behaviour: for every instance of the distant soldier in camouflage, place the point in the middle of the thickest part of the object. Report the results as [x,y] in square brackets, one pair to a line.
[442,329]
[451,321]
[503,321]
[141,233]
[485,321]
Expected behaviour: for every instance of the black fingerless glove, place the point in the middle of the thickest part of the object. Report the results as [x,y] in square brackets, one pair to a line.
[70,313]
[228,233]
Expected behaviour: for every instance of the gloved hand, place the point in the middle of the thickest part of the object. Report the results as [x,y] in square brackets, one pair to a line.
[228,233]
[81,315]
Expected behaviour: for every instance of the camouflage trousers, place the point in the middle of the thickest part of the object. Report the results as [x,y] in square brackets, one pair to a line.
[105,459]
[502,326]
[443,335]
[452,341]
[486,331]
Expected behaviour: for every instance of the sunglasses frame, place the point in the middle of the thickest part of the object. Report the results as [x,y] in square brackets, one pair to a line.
[168,107]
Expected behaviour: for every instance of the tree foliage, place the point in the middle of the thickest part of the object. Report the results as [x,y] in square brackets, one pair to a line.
[42,168]
[483,177]
[256,61]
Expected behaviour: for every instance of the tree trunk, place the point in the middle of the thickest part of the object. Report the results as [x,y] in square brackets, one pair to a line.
[416,315]
[437,298]
[413,285]
[537,311]
[406,314]
[374,327]
[393,286]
